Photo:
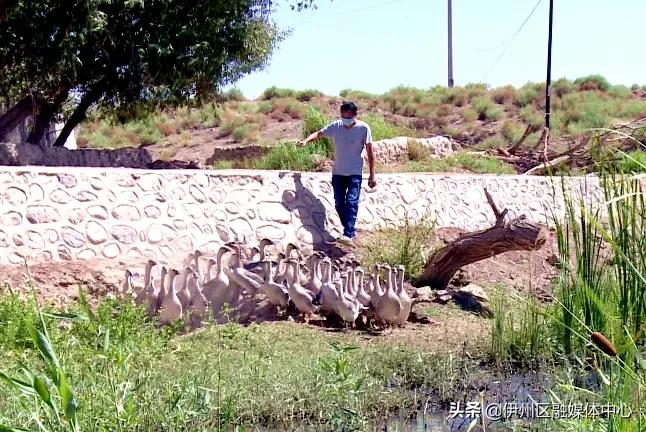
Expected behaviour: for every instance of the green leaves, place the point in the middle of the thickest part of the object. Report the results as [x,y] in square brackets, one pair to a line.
[34,385]
[130,53]
[44,346]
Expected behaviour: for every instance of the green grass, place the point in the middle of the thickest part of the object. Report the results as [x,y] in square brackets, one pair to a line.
[421,160]
[381,129]
[287,156]
[150,129]
[480,164]
[600,288]
[492,142]
[125,375]
[512,131]
[406,245]
[486,108]
[314,121]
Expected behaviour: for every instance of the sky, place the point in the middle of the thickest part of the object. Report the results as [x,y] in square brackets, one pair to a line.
[375,45]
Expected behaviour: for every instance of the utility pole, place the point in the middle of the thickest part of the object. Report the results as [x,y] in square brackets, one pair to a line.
[450,25]
[548,82]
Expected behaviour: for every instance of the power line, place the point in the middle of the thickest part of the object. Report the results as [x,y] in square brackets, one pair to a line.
[513,37]
[346,12]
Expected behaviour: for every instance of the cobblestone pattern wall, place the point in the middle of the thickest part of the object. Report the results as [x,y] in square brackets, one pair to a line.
[78,213]
[395,150]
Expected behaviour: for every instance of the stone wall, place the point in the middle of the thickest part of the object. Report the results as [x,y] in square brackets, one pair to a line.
[395,150]
[78,213]
[13,154]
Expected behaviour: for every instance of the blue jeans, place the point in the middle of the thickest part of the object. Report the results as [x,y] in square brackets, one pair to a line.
[346,200]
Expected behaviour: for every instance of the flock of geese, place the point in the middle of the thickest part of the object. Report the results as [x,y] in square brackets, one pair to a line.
[315,284]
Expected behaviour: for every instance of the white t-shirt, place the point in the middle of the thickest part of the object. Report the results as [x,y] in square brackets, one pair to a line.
[348,145]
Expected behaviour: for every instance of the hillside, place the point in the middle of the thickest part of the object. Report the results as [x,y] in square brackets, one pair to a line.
[236,132]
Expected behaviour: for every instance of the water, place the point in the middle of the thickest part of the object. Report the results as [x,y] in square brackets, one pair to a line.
[513,389]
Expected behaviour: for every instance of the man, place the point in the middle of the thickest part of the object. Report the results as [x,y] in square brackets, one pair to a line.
[350,137]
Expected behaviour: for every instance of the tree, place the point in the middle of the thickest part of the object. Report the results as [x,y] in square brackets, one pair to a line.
[128,55]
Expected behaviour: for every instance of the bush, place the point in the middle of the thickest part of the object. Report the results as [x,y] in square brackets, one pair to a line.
[314,121]
[592,82]
[451,131]
[232,95]
[240,133]
[469,115]
[480,164]
[416,151]
[306,95]
[475,90]
[265,107]
[457,96]
[586,109]
[619,91]
[512,131]
[222,165]
[287,156]
[491,142]
[168,127]
[407,245]
[504,95]
[562,86]
[295,109]
[529,94]
[381,129]
[485,108]
[532,116]
[277,93]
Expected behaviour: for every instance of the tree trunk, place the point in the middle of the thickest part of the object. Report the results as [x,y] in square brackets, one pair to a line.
[79,113]
[45,116]
[517,234]
[43,119]
[14,116]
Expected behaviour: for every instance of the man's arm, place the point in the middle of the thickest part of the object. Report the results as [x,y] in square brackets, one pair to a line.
[313,136]
[372,181]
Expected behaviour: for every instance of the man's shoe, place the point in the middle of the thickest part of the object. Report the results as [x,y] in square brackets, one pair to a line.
[345,239]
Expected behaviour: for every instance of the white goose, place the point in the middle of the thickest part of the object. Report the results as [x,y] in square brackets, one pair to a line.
[128,285]
[171,309]
[181,289]
[189,260]
[196,262]
[276,294]
[329,293]
[209,269]
[376,292]
[215,290]
[140,295]
[220,287]
[314,284]
[362,296]
[245,279]
[389,307]
[303,299]
[403,296]
[198,300]
[347,307]
[258,267]
[156,293]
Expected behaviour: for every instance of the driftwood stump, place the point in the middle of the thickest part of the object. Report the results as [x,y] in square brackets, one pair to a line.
[516,234]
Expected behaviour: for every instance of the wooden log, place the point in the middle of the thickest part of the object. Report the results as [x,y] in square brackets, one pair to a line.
[549,164]
[513,149]
[504,236]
